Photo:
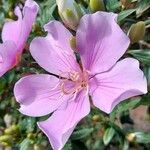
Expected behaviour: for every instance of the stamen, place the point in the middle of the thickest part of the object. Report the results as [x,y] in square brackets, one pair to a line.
[74,76]
[65,91]
[78,81]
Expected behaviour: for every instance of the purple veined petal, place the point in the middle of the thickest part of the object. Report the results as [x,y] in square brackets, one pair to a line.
[59,35]
[123,81]
[100,41]
[32,5]
[61,124]
[1,59]
[18,31]
[8,56]
[53,52]
[39,95]
[10,29]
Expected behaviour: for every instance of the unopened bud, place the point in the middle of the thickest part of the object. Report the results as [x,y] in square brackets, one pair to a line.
[31,147]
[4,144]
[131,137]
[136,32]
[69,12]
[73,43]
[14,129]
[6,138]
[125,3]
[96,118]
[39,147]
[8,148]
[97,5]
[31,136]
[8,120]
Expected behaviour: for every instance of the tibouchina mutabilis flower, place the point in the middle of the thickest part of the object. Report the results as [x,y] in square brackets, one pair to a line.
[69,12]
[101,43]
[15,34]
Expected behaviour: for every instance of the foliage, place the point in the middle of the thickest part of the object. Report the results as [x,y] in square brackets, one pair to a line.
[98,130]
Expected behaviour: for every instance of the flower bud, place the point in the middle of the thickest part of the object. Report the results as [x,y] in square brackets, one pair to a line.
[96,118]
[31,147]
[8,148]
[4,144]
[136,32]
[131,137]
[69,12]
[97,5]
[8,120]
[14,129]
[39,147]
[6,138]
[31,136]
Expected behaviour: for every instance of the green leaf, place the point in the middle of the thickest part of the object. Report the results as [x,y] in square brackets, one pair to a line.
[112,5]
[28,124]
[142,137]
[82,133]
[10,76]
[46,12]
[141,55]
[147,22]
[124,106]
[78,145]
[142,7]
[68,146]
[125,145]
[145,100]
[3,83]
[2,16]
[108,135]
[97,145]
[122,15]
[25,144]
[146,70]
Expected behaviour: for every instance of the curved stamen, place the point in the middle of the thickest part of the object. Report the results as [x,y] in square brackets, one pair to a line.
[78,81]
[65,91]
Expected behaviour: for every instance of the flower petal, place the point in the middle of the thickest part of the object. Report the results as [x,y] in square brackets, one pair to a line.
[53,52]
[123,81]
[61,124]
[38,95]
[18,31]
[1,59]
[100,41]
[8,56]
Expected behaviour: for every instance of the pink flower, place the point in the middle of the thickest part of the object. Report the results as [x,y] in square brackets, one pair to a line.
[101,43]
[15,34]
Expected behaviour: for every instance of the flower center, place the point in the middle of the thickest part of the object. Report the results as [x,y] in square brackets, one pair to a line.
[76,82]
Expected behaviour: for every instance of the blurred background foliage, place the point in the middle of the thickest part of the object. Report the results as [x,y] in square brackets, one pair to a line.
[126,128]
